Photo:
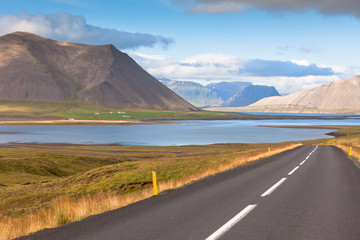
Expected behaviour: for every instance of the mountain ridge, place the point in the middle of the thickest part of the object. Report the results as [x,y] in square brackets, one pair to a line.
[226,90]
[249,95]
[195,93]
[33,68]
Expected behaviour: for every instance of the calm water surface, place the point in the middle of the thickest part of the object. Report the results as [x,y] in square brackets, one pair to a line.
[194,132]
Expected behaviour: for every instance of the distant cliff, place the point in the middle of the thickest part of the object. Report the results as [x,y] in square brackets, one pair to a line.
[241,93]
[226,90]
[194,93]
[250,95]
[33,68]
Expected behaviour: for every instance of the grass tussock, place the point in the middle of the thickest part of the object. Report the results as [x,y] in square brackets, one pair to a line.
[126,181]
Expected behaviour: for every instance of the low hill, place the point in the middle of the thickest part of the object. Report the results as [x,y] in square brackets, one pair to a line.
[250,95]
[33,68]
[226,90]
[337,95]
[194,93]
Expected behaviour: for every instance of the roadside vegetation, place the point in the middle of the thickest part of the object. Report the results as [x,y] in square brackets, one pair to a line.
[346,138]
[44,186]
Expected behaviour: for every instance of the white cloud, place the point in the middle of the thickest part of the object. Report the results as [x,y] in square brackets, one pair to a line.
[207,68]
[66,27]
[301,62]
[287,85]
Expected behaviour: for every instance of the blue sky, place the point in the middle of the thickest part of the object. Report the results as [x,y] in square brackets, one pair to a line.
[291,44]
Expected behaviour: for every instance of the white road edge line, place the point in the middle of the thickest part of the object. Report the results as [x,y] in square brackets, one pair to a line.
[270,190]
[226,227]
[307,157]
[303,162]
[293,170]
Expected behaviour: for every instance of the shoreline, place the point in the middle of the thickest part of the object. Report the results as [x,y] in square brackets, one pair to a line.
[285,110]
[83,122]
[333,133]
[330,127]
[155,121]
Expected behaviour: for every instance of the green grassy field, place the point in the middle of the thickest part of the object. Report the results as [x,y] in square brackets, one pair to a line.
[82,110]
[31,176]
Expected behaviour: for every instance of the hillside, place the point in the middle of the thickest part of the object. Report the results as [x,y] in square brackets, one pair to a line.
[194,93]
[250,95]
[337,95]
[33,68]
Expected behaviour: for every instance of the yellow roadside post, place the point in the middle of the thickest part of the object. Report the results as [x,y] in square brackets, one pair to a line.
[154,183]
[269,151]
[350,151]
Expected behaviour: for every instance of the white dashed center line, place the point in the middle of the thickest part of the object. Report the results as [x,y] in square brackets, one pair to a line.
[270,190]
[293,170]
[226,227]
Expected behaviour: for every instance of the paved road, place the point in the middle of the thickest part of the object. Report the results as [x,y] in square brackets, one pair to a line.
[307,193]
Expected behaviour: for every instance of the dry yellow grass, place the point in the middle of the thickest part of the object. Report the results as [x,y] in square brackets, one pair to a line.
[346,144]
[13,109]
[355,150]
[66,209]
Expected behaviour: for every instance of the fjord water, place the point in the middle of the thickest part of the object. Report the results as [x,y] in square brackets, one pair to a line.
[185,133]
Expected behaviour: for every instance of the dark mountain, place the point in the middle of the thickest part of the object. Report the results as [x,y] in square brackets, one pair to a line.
[194,93]
[227,89]
[33,68]
[249,95]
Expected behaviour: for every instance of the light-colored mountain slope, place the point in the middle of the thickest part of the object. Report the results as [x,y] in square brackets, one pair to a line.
[339,95]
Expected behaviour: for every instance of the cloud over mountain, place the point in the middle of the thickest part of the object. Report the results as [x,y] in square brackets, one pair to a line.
[286,76]
[351,7]
[67,27]
[269,68]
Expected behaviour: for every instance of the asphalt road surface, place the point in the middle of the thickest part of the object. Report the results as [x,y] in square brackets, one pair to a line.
[311,192]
